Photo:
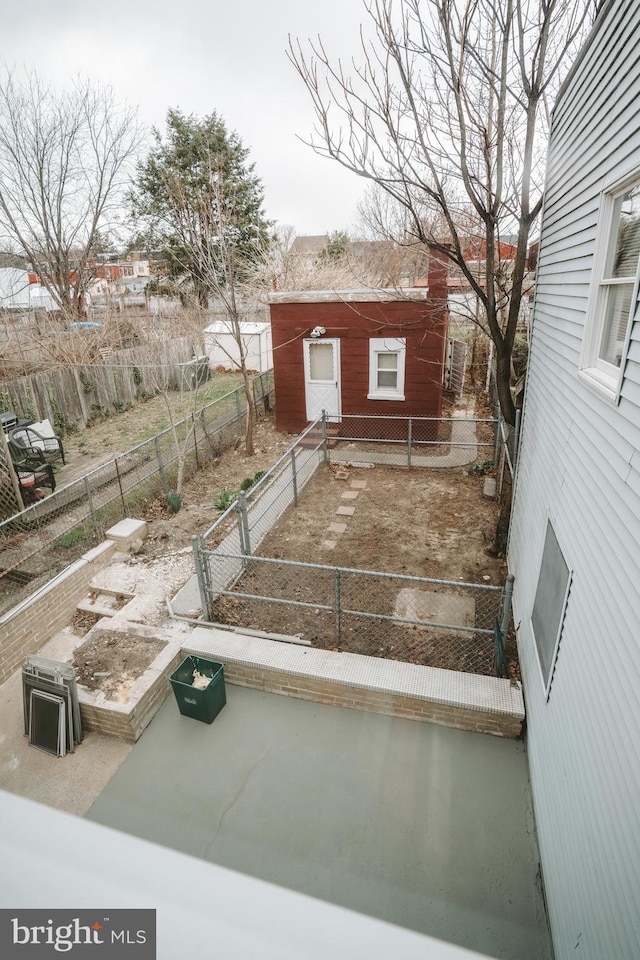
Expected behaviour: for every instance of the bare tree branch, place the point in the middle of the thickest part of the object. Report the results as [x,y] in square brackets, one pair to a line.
[64,164]
[446,113]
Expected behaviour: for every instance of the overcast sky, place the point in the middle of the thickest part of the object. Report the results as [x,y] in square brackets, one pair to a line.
[201,56]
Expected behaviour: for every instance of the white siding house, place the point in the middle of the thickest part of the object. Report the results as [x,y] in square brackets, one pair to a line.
[575,537]
[18,292]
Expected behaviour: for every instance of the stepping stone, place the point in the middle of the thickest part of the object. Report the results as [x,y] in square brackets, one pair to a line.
[489,488]
[341,474]
[329,544]
[350,494]
[337,527]
[358,484]
[346,511]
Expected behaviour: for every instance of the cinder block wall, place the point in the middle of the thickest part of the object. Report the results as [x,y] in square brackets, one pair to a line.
[28,626]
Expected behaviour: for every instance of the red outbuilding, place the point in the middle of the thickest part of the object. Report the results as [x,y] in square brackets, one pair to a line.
[378,352]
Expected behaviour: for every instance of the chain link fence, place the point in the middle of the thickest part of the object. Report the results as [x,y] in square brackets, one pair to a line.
[410,441]
[239,531]
[38,542]
[439,623]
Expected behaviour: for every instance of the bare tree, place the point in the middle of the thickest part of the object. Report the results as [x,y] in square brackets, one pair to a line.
[64,162]
[364,263]
[447,114]
[228,271]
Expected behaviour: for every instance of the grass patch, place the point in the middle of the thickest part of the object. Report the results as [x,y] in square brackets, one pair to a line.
[144,421]
[71,539]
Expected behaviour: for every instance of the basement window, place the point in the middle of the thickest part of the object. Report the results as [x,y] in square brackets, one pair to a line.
[550,605]
[386,368]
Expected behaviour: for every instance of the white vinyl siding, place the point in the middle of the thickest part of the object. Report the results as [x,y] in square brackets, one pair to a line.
[579,468]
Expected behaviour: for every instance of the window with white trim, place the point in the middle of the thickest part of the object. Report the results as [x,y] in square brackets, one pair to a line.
[386,368]
[614,290]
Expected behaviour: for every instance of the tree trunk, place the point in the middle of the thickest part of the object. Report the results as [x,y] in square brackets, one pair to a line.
[180,474]
[251,412]
[202,294]
[503,384]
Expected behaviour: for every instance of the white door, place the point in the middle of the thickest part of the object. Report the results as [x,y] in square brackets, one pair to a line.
[322,378]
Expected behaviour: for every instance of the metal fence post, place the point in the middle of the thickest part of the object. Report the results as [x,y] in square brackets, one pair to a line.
[240,527]
[325,455]
[409,440]
[196,545]
[124,505]
[94,519]
[337,604]
[195,440]
[294,478]
[163,479]
[244,523]
[506,610]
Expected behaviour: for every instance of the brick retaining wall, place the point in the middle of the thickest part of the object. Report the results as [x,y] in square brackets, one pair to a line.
[26,628]
[469,702]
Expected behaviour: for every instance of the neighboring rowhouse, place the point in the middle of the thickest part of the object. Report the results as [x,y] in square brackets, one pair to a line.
[359,352]
[575,537]
[20,290]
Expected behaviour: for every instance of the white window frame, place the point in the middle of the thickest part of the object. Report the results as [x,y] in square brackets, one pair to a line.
[594,370]
[386,345]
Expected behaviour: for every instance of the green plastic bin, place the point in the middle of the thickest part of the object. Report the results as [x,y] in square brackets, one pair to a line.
[193,702]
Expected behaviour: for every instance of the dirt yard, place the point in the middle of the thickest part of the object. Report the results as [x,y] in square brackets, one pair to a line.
[170,532]
[426,523]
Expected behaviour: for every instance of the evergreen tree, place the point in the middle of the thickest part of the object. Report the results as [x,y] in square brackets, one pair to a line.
[336,246]
[197,181]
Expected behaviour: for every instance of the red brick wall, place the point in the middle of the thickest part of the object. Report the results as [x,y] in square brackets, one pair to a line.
[422,323]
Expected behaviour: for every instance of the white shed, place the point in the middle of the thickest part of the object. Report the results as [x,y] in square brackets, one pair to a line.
[223,350]
[575,533]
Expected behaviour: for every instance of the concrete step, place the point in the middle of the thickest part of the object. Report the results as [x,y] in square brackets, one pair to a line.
[112,591]
[104,604]
[314,437]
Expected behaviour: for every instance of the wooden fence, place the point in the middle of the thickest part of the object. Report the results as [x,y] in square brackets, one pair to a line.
[71,397]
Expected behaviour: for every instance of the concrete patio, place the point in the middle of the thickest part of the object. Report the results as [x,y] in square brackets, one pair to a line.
[424,826]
